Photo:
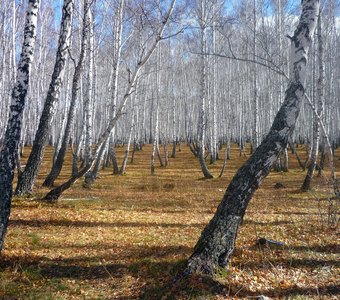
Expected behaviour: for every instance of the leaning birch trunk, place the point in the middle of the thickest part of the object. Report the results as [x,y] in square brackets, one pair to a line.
[216,244]
[54,194]
[13,130]
[57,166]
[28,177]
[320,100]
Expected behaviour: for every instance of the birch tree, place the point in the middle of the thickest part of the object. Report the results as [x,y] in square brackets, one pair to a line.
[54,194]
[113,94]
[203,94]
[319,101]
[89,83]
[216,244]
[28,176]
[14,124]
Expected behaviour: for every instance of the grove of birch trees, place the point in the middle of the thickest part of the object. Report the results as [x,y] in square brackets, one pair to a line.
[244,50]
[104,74]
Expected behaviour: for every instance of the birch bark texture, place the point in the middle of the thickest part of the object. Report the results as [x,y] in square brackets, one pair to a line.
[28,176]
[203,91]
[88,95]
[217,241]
[14,124]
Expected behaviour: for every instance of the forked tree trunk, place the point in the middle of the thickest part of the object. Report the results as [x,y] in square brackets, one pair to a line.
[28,177]
[57,166]
[54,194]
[216,244]
[11,141]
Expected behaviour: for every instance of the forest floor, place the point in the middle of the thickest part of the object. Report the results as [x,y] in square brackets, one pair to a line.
[129,236]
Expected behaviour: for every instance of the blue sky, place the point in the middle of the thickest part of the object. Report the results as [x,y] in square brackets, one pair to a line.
[292,6]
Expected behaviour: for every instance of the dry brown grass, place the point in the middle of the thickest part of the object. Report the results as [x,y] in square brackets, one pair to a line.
[128,237]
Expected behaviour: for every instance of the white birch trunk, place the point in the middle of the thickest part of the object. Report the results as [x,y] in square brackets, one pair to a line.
[14,124]
[320,100]
[88,95]
[203,83]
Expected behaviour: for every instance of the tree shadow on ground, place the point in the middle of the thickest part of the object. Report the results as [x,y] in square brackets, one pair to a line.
[158,269]
[140,260]
[201,286]
[71,223]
